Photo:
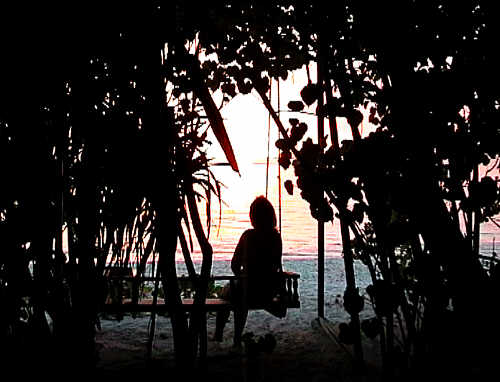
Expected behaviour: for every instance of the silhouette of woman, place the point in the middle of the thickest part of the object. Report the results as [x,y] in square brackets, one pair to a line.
[257,260]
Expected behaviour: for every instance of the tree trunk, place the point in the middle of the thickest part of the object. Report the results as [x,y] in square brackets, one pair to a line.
[198,325]
[166,202]
[167,246]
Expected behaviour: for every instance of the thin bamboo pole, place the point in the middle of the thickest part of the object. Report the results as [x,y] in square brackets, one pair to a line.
[476,232]
[279,167]
[351,289]
[152,327]
[268,138]
[321,225]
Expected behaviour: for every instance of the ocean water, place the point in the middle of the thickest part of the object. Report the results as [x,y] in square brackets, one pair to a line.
[298,228]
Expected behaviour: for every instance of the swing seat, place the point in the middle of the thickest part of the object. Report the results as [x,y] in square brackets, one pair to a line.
[290,299]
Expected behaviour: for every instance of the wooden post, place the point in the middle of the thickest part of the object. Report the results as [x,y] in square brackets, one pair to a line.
[321,225]
[279,166]
[351,289]
[476,231]
[152,328]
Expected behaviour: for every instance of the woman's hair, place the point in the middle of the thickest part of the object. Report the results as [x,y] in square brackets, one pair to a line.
[262,215]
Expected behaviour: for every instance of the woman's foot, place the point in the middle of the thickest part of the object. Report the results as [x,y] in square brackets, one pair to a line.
[237,349]
[217,337]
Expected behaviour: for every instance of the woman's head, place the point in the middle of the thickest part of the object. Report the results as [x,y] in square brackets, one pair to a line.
[262,215]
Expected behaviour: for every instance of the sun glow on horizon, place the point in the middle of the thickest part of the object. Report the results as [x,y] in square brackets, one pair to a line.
[247,123]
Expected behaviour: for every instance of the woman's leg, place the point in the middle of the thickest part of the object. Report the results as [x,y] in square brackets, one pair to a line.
[240,319]
[220,322]
[222,316]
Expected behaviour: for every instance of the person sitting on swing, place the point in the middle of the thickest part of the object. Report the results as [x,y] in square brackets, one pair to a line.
[257,261]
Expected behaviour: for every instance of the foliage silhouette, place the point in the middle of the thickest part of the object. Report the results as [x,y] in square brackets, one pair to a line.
[103,137]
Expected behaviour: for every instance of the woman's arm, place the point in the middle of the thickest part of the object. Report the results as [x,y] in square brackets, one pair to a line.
[278,253]
[237,262]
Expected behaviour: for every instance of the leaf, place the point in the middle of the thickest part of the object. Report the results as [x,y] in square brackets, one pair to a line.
[298,132]
[262,84]
[176,92]
[296,105]
[283,74]
[289,186]
[282,144]
[216,123]
[213,113]
[358,212]
[285,159]
[229,88]
[354,118]
[310,93]
[244,86]
[186,105]
[373,120]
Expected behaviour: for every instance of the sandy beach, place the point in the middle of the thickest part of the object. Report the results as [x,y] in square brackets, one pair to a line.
[303,351]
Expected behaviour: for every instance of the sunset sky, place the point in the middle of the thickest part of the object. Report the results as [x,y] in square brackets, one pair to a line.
[246,121]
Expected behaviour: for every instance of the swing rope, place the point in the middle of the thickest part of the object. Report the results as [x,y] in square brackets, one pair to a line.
[279,167]
[268,152]
[268,139]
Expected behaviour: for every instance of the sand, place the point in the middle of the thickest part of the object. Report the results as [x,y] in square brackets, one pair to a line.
[303,351]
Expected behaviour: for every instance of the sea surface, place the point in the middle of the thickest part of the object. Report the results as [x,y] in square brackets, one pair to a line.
[298,229]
